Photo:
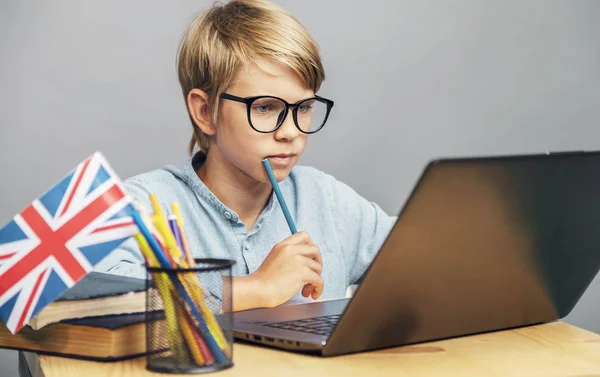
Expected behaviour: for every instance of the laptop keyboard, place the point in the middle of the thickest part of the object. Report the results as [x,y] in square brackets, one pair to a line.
[317,325]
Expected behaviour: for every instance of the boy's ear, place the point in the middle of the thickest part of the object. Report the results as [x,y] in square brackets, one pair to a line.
[197,102]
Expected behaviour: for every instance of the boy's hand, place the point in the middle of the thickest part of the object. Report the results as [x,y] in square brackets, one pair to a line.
[292,264]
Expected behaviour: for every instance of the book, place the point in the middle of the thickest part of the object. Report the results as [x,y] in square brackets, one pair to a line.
[97,294]
[107,338]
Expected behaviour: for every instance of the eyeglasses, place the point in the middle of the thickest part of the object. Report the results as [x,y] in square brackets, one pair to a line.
[267,113]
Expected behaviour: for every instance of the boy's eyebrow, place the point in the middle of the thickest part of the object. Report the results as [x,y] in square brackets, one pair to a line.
[266,93]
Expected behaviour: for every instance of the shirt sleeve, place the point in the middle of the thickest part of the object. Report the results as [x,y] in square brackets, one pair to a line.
[362,227]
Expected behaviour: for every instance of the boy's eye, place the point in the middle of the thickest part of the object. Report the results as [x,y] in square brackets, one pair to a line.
[263,109]
[304,108]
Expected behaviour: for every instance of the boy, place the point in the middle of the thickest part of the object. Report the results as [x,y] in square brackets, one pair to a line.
[249,73]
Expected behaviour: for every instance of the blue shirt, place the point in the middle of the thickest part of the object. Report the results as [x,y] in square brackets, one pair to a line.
[347,228]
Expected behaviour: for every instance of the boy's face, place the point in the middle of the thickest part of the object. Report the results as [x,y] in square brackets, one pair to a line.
[245,148]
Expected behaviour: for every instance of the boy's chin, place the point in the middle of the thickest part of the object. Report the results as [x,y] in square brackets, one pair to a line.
[280,173]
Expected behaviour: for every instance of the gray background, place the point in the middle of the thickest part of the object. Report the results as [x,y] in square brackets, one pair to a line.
[412,80]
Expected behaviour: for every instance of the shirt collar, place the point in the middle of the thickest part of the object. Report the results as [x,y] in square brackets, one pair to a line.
[204,193]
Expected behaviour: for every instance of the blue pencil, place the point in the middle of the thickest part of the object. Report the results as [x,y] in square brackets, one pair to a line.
[286,211]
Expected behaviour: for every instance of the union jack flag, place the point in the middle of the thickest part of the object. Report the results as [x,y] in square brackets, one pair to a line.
[60,237]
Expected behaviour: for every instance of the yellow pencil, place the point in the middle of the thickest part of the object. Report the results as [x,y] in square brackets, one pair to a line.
[170,244]
[164,287]
[148,223]
[145,248]
[156,205]
[162,225]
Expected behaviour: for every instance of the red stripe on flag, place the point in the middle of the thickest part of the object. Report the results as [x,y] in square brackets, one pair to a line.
[114,226]
[74,190]
[30,299]
[7,256]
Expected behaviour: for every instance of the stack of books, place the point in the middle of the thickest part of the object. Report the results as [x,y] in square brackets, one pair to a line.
[101,318]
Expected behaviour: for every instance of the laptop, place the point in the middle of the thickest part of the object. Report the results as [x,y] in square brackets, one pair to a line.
[482,244]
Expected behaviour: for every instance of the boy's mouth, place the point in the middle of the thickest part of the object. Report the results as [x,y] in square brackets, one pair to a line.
[281,159]
[282,155]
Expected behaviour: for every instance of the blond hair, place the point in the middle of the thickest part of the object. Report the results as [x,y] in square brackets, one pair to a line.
[226,36]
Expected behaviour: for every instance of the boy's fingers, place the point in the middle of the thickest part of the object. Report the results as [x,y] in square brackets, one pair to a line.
[311,252]
[300,238]
[307,290]
[313,265]
[315,295]
[318,257]
[316,281]
[318,289]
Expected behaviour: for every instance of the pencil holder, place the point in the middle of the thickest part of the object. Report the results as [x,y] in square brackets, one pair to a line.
[189,323]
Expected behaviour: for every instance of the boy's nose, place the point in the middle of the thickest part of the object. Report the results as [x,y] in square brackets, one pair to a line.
[287,130]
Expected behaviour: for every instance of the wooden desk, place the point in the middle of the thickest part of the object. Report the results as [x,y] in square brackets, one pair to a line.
[554,349]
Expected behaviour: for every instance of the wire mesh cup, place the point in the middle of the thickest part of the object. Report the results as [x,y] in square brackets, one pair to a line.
[189,323]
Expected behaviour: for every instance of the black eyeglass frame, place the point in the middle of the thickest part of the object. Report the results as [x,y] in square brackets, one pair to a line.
[250,100]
